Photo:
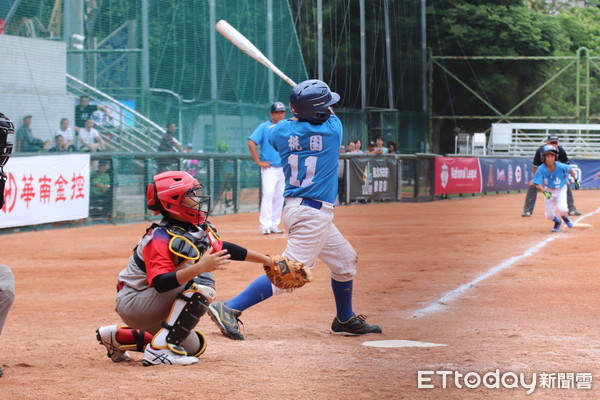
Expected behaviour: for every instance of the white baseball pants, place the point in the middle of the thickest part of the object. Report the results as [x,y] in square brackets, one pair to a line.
[312,234]
[558,202]
[271,204]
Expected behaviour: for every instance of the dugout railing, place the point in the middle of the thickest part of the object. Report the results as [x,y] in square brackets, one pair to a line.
[231,180]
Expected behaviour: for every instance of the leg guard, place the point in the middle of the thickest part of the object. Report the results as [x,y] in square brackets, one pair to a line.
[187,309]
[133,339]
[118,340]
[206,279]
[202,345]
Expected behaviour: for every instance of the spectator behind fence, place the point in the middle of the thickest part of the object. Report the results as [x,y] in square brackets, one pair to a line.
[84,111]
[89,138]
[100,190]
[65,131]
[168,144]
[60,145]
[351,147]
[379,147]
[392,147]
[341,183]
[26,142]
[190,165]
[358,146]
[371,148]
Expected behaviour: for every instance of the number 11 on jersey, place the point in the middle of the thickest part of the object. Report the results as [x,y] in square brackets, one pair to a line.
[310,164]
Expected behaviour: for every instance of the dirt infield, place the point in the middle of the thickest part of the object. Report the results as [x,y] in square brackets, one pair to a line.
[536,311]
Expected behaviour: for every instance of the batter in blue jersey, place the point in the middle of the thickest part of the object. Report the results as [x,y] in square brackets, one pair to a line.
[309,154]
[552,179]
[309,147]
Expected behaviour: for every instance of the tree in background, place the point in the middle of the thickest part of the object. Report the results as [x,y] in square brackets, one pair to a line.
[507,28]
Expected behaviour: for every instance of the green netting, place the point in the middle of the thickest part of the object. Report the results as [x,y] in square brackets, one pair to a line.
[214,92]
[220,103]
[232,182]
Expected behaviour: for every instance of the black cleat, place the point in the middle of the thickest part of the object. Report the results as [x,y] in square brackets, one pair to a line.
[355,326]
[567,221]
[557,225]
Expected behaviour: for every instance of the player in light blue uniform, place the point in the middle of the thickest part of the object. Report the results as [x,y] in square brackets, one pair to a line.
[552,178]
[309,148]
[271,172]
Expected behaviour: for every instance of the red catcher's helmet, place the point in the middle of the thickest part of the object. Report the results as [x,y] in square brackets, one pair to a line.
[176,194]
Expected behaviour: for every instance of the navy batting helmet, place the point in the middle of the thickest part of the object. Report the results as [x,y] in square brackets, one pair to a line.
[310,101]
[548,149]
[277,106]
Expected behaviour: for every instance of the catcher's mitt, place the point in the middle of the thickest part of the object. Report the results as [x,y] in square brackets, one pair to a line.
[287,274]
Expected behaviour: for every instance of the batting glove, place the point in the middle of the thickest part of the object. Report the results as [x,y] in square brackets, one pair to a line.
[547,194]
[577,185]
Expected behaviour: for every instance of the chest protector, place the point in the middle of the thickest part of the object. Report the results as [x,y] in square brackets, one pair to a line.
[186,244]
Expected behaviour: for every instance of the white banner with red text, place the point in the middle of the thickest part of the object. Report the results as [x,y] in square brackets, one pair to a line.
[46,189]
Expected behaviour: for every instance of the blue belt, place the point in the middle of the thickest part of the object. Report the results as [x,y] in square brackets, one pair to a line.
[312,203]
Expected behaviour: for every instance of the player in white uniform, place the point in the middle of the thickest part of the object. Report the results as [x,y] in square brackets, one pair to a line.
[309,148]
[271,172]
[7,279]
[552,178]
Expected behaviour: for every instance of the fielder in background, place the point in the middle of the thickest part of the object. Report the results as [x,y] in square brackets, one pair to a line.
[167,285]
[532,190]
[271,172]
[309,148]
[7,279]
[552,179]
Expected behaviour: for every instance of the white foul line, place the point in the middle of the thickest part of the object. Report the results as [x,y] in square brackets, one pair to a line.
[437,305]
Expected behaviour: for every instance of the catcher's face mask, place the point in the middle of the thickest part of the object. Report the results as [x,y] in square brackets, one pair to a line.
[193,199]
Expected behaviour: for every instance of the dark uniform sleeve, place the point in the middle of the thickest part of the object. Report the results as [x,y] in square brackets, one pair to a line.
[237,253]
[537,159]
[562,155]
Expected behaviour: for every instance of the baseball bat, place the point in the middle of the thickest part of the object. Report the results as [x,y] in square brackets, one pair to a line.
[247,47]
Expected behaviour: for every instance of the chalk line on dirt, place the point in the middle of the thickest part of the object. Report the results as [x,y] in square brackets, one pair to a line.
[438,304]
[400,343]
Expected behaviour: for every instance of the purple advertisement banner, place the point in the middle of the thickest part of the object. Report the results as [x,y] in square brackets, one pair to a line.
[500,174]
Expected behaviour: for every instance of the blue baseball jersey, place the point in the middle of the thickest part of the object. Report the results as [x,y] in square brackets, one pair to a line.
[555,179]
[267,152]
[309,154]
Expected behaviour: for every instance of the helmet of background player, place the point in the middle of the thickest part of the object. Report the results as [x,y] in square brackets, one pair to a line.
[310,101]
[176,194]
[277,106]
[6,128]
[549,149]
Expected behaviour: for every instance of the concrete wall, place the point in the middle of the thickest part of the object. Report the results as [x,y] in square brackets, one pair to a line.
[32,81]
